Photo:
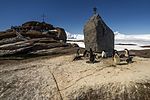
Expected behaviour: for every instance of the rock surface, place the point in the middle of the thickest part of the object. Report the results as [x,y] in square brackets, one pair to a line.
[97,35]
[31,37]
[35,79]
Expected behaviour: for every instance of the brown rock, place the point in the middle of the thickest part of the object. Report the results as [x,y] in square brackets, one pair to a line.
[4,35]
[31,37]
[61,35]
[35,25]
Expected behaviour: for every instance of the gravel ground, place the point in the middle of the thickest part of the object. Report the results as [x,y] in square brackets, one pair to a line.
[60,78]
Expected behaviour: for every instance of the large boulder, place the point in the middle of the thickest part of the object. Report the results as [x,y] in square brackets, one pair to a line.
[98,36]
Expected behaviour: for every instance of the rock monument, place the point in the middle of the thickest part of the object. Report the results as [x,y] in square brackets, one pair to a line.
[97,35]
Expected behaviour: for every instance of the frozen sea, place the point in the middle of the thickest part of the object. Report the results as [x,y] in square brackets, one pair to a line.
[122,41]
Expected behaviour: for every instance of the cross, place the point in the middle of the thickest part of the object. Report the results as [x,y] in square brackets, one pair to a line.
[43,17]
[95,10]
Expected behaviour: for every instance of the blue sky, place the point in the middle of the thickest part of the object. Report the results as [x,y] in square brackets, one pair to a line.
[125,16]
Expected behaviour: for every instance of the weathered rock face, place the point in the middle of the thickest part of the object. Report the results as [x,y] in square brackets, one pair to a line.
[31,37]
[37,25]
[61,34]
[98,36]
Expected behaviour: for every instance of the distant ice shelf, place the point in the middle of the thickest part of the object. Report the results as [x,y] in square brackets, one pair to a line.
[123,40]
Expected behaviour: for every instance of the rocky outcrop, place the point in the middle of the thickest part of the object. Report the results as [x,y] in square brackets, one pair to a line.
[98,36]
[30,38]
[37,25]
[61,35]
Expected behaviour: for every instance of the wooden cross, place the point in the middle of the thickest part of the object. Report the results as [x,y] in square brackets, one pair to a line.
[95,10]
[43,17]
